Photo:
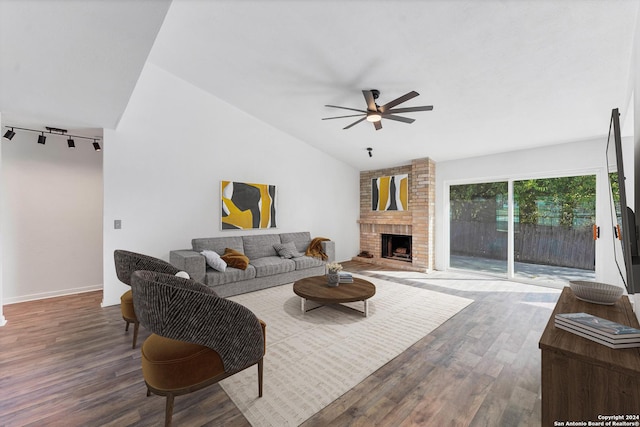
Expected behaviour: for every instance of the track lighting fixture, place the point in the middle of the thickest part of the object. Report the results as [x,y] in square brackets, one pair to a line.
[10,133]
[370,150]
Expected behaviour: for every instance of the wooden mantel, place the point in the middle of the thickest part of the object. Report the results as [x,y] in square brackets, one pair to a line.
[385,221]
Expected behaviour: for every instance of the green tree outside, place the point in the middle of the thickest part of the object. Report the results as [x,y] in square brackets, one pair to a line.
[567,201]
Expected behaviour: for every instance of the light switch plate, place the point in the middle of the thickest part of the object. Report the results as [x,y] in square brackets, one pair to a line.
[117,224]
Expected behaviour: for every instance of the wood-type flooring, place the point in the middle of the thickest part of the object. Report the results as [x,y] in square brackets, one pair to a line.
[68,362]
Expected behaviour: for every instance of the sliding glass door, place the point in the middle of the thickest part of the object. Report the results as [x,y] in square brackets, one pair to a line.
[548,235]
[478,227]
[554,237]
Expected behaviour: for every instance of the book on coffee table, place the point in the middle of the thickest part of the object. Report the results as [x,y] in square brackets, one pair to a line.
[345,278]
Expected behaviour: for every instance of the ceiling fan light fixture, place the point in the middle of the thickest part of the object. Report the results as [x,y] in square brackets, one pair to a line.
[374,117]
[374,113]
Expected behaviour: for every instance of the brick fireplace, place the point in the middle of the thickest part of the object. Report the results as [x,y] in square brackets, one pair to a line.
[396,246]
[417,222]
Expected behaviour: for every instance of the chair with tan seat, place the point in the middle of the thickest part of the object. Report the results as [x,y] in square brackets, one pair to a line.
[126,263]
[197,337]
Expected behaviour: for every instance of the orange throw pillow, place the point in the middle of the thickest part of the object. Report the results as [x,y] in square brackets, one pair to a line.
[235,259]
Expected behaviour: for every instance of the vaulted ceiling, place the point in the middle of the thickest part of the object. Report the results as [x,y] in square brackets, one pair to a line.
[502,75]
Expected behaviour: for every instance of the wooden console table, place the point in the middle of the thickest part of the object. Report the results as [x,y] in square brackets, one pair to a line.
[583,380]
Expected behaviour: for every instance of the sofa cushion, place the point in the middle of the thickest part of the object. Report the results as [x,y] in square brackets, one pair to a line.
[270,265]
[217,244]
[287,250]
[307,262]
[260,246]
[300,239]
[215,278]
[235,259]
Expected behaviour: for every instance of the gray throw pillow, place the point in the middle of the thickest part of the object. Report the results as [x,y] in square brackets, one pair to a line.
[287,250]
[214,261]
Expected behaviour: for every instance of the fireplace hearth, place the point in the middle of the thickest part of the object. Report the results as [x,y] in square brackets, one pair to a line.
[396,246]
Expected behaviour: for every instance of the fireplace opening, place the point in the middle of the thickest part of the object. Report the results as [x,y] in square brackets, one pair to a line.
[396,246]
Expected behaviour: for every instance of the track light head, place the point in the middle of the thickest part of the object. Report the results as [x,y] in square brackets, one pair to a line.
[71,143]
[370,150]
[96,146]
[42,139]
[9,134]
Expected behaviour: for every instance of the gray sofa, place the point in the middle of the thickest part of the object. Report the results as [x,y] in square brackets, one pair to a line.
[265,268]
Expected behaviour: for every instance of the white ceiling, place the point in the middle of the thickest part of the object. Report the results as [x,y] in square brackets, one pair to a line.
[501,75]
[73,64]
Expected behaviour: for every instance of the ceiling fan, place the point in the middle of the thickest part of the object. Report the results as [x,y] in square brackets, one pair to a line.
[375,113]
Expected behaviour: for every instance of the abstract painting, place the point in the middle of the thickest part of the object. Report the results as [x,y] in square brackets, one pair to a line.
[248,206]
[390,193]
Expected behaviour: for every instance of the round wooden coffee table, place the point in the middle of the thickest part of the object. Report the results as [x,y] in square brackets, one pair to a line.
[316,289]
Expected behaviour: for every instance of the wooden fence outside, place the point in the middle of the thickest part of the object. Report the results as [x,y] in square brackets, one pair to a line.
[535,244]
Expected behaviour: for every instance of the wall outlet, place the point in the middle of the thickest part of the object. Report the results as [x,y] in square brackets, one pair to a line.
[117,224]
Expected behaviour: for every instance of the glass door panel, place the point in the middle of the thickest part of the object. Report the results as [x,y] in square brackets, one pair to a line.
[553,225]
[478,227]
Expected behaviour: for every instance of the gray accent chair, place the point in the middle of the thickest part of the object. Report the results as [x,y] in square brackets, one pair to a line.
[198,338]
[126,264]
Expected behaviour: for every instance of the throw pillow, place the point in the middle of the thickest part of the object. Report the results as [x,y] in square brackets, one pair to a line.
[287,250]
[235,259]
[214,260]
[183,274]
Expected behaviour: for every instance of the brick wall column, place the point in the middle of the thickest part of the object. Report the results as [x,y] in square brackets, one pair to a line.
[423,210]
[417,221]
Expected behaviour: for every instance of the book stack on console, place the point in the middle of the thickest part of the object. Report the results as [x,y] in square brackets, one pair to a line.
[600,330]
[345,278]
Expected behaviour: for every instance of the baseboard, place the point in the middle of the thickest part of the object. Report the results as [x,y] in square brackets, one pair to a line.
[53,294]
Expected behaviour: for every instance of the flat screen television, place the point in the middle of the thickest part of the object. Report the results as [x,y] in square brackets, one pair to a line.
[625,221]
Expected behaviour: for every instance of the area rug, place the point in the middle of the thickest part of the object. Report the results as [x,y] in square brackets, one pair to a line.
[316,357]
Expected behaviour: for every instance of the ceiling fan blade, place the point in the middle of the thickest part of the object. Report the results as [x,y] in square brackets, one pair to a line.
[371,101]
[410,109]
[354,123]
[346,108]
[403,98]
[341,117]
[399,118]
[377,125]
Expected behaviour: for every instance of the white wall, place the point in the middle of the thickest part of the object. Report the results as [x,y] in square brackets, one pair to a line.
[557,160]
[51,217]
[173,146]
[3,321]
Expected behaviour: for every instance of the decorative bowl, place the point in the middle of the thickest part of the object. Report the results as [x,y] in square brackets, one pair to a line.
[596,292]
